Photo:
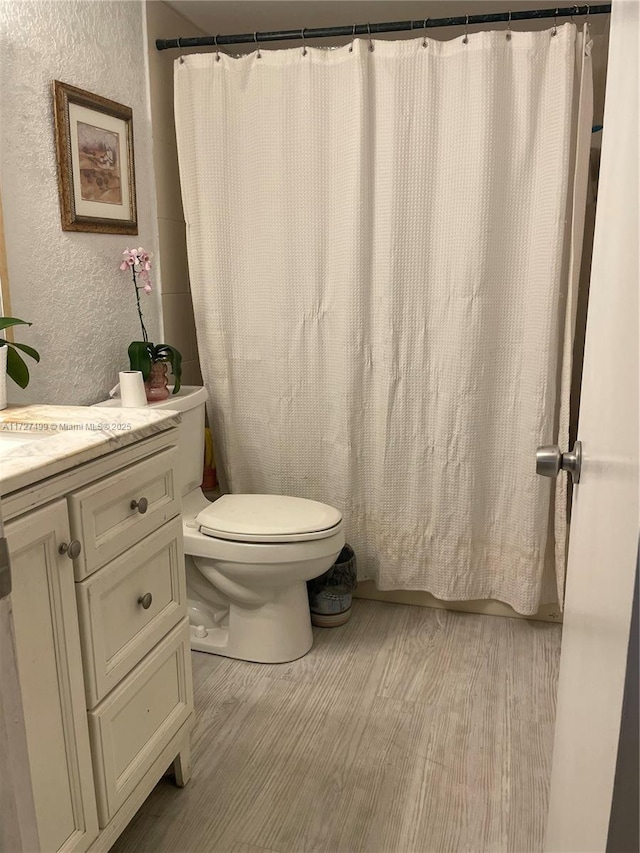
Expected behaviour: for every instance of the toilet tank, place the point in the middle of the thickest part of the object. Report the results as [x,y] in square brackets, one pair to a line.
[189,401]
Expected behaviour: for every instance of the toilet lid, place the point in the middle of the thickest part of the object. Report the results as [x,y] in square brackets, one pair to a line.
[268,518]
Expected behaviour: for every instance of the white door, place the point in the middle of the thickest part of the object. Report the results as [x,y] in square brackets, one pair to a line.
[604,530]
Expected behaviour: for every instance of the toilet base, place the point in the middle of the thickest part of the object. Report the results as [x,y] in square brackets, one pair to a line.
[277,631]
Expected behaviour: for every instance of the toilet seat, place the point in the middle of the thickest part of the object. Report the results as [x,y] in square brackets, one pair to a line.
[268,519]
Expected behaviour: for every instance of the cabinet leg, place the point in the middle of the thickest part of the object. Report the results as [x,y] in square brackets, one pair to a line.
[182,765]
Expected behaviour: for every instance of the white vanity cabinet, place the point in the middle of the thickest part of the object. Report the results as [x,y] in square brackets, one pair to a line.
[102,638]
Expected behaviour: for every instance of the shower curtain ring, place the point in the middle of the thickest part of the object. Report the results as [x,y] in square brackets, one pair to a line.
[181,57]
[215,41]
[304,45]
[255,38]
[577,12]
[555,24]
[370,42]
[425,25]
[353,35]
[509,27]
[465,40]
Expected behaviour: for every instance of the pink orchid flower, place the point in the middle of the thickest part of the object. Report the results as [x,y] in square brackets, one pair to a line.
[138,262]
[144,275]
[130,259]
[144,259]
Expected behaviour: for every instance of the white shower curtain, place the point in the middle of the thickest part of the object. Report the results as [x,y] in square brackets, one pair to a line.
[376,245]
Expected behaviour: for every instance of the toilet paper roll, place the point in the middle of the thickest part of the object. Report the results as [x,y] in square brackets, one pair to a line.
[132,393]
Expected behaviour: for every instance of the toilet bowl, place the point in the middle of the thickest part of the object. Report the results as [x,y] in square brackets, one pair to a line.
[248,595]
[248,557]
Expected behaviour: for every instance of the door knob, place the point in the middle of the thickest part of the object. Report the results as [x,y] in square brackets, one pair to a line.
[141,505]
[72,549]
[145,600]
[550,461]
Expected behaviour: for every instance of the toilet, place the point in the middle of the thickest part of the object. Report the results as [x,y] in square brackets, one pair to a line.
[248,557]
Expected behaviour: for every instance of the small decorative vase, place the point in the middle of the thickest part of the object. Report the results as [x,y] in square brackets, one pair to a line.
[156,385]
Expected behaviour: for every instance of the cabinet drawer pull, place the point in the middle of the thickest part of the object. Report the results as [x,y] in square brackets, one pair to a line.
[142,505]
[145,600]
[72,549]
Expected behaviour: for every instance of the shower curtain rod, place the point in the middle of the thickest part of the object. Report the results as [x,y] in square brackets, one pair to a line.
[374,29]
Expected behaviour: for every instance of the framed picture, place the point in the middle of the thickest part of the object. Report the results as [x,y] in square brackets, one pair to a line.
[94,147]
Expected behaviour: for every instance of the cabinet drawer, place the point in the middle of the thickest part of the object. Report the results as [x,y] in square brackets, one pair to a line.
[138,719]
[116,630]
[105,522]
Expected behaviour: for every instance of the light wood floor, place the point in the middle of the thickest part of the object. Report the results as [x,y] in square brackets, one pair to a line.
[408,729]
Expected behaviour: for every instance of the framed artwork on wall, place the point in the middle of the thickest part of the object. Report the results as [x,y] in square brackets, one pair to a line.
[94,148]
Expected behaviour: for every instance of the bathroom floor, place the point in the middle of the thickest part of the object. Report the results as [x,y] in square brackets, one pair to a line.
[408,729]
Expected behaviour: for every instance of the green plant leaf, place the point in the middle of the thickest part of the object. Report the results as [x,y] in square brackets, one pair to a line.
[164,352]
[140,356]
[5,322]
[16,368]
[35,355]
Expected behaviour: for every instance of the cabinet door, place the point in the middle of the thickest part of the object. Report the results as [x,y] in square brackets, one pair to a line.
[50,673]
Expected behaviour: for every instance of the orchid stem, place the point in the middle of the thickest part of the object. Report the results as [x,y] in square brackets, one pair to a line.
[145,337]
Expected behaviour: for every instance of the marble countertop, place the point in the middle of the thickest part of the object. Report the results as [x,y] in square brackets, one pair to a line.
[40,441]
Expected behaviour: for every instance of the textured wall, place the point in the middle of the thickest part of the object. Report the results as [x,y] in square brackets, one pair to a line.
[68,284]
[179,326]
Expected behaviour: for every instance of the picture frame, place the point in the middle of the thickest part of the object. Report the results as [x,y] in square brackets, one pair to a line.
[94,152]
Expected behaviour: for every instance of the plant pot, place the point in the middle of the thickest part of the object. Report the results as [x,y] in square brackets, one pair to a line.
[156,385]
[3,376]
